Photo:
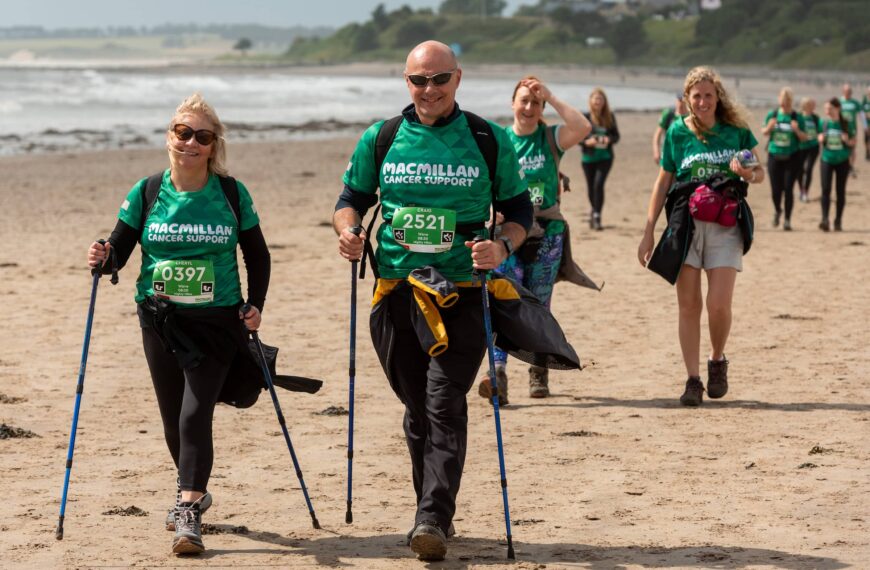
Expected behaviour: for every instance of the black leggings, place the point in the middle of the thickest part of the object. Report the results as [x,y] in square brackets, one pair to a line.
[783,174]
[186,399]
[596,174]
[827,173]
[808,158]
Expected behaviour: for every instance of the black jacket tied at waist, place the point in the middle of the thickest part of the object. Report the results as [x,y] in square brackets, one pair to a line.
[673,246]
[212,332]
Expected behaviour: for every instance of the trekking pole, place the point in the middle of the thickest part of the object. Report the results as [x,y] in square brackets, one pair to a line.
[80,386]
[351,375]
[267,377]
[490,349]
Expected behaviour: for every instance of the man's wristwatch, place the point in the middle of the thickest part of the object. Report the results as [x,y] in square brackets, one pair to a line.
[509,245]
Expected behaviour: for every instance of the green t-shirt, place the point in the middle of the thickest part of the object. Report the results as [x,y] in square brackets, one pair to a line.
[783,139]
[432,167]
[538,163]
[189,243]
[865,105]
[835,151]
[811,129]
[850,109]
[692,159]
[600,151]
[667,118]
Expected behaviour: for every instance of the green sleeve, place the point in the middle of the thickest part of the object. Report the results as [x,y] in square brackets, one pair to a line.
[559,149]
[510,180]
[247,212]
[361,173]
[748,140]
[663,118]
[668,162]
[769,116]
[131,208]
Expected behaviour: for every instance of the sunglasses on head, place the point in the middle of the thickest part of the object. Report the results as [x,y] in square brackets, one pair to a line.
[184,133]
[437,79]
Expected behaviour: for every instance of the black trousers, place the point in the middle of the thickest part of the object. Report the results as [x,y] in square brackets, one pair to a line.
[827,172]
[808,158]
[434,390]
[783,174]
[186,399]
[596,175]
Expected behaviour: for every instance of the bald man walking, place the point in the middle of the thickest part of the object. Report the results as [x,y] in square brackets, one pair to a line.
[437,171]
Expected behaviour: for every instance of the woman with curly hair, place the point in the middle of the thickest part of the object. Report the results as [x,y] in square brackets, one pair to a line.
[702,144]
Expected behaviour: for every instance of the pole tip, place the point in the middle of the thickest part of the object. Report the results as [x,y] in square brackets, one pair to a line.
[511,555]
[348,517]
[58,534]
[315,523]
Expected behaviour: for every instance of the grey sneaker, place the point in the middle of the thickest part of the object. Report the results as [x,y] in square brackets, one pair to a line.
[717,377]
[484,388]
[451,532]
[694,393]
[188,529]
[429,542]
[204,505]
[539,382]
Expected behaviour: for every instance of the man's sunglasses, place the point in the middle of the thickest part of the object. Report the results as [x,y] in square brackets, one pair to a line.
[437,79]
[184,133]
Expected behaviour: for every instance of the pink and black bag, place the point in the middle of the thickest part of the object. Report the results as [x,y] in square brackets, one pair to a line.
[713,201]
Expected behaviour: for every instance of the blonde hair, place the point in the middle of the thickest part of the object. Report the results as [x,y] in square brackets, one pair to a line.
[727,111]
[787,94]
[196,104]
[806,102]
[605,117]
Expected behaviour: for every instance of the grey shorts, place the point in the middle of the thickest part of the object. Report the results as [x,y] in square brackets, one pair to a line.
[714,246]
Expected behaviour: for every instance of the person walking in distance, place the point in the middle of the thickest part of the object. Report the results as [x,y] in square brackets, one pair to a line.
[665,120]
[598,152]
[809,149]
[785,127]
[837,138]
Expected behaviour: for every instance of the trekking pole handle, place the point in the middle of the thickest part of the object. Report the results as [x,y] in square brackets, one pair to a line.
[245,308]
[355,230]
[478,239]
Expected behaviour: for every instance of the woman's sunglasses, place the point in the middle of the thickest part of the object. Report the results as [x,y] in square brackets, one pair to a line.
[437,79]
[184,133]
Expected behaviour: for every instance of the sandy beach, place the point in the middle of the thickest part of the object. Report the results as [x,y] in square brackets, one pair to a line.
[610,472]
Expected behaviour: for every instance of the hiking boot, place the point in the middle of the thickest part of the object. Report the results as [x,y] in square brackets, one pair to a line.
[451,532]
[838,226]
[776,219]
[786,225]
[429,542]
[825,225]
[538,382]
[804,197]
[204,505]
[188,529]
[484,388]
[717,377]
[694,392]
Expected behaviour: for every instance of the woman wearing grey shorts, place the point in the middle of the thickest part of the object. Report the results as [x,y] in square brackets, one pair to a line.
[696,147]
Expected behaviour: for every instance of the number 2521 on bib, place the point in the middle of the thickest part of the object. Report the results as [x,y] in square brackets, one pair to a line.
[424,230]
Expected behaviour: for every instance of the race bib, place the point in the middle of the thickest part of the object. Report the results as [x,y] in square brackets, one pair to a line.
[536,192]
[187,282]
[424,230]
[834,140]
[703,171]
[782,139]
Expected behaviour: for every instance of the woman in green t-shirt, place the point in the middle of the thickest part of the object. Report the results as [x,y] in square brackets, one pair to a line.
[837,139]
[809,149]
[190,220]
[535,265]
[784,126]
[598,152]
[702,143]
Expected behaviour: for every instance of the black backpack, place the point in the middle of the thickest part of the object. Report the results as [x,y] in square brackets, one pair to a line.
[483,136]
[152,189]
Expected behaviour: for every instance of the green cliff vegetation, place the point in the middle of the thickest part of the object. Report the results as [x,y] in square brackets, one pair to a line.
[809,34]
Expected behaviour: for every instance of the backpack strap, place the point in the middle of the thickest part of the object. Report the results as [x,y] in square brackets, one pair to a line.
[485,139]
[152,190]
[563,183]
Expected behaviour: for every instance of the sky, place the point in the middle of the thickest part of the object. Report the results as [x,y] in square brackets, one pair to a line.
[53,14]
